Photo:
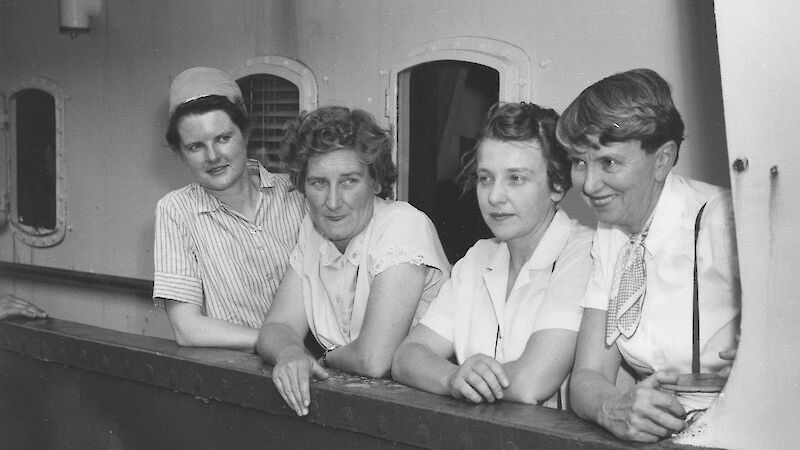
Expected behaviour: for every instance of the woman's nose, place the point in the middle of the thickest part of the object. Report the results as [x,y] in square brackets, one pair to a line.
[497,193]
[212,152]
[332,200]
[592,181]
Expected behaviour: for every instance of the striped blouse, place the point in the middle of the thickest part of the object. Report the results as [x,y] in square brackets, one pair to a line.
[210,255]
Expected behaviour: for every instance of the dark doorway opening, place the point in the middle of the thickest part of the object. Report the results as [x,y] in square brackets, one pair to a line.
[447,103]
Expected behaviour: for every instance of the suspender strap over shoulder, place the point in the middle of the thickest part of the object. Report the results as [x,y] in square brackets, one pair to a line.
[696,301]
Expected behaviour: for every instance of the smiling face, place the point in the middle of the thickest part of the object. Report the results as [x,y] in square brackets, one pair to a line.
[620,181]
[513,192]
[340,195]
[214,150]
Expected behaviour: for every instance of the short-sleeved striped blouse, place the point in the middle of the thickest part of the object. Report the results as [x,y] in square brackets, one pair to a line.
[210,255]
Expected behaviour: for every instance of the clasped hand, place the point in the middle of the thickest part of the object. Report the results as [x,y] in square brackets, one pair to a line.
[291,376]
[645,413]
[480,378]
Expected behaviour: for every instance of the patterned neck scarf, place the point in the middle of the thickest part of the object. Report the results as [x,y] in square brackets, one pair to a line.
[625,310]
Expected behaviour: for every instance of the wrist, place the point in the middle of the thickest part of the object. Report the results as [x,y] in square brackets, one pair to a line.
[325,355]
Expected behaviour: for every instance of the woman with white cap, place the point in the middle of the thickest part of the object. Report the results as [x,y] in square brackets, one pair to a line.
[222,243]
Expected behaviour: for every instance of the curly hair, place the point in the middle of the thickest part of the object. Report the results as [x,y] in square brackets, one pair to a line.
[635,105]
[202,105]
[332,128]
[520,122]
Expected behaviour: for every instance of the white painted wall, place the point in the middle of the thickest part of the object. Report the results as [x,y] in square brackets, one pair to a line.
[758,55]
[117,78]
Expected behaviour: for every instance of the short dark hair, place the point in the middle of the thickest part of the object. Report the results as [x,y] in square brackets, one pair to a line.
[520,122]
[203,105]
[331,128]
[633,105]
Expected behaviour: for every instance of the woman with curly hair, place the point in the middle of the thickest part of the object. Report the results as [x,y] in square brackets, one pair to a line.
[365,267]
[504,326]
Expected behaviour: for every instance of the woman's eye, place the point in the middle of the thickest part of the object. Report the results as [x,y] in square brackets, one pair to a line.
[483,179]
[225,138]
[350,181]
[517,179]
[578,163]
[609,163]
[192,147]
[317,184]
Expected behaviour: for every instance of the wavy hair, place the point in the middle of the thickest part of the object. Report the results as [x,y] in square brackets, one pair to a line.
[332,128]
[635,105]
[521,122]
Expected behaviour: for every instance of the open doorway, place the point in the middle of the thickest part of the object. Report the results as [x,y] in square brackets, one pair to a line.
[442,105]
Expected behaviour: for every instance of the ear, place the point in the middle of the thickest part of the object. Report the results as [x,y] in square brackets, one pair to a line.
[665,160]
[377,188]
[557,196]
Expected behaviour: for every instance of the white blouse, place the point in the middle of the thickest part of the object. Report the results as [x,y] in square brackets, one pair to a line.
[336,285]
[663,339]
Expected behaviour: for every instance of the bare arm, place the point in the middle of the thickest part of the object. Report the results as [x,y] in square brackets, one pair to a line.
[11,305]
[281,344]
[393,299]
[542,367]
[193,329]
[644,413]
[423,361]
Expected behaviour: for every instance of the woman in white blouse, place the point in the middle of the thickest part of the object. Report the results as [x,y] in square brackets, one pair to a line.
[511,311]
[365,267]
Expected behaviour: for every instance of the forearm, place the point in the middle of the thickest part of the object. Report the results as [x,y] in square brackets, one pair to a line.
[359,358]
[202,331]
[591,394]
[278,341]
[417,366]
[528,385]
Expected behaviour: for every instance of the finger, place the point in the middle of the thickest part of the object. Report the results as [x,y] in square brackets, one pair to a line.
[284,380]
[643,429]
[490,376]
[728,354]
[655,380]
[663,423]
[32,311]
[664,412]
[282,390]
[305,394]
[653,402]
[462,389]
[499,371]
[480,385]
[319,371]
[297,390]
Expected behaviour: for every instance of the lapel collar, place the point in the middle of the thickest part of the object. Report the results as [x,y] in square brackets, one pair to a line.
[496,278]
[667,216]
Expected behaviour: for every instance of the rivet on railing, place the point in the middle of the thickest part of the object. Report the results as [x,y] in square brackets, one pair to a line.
[149,373]
[466,440]
[173,379]
[198,384]
[423,434]
[383,428]
[224,388]
[250,400]
[347,416]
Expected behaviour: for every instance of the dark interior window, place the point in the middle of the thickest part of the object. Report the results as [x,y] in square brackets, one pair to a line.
[448,101]
[36,158]
[271,101]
